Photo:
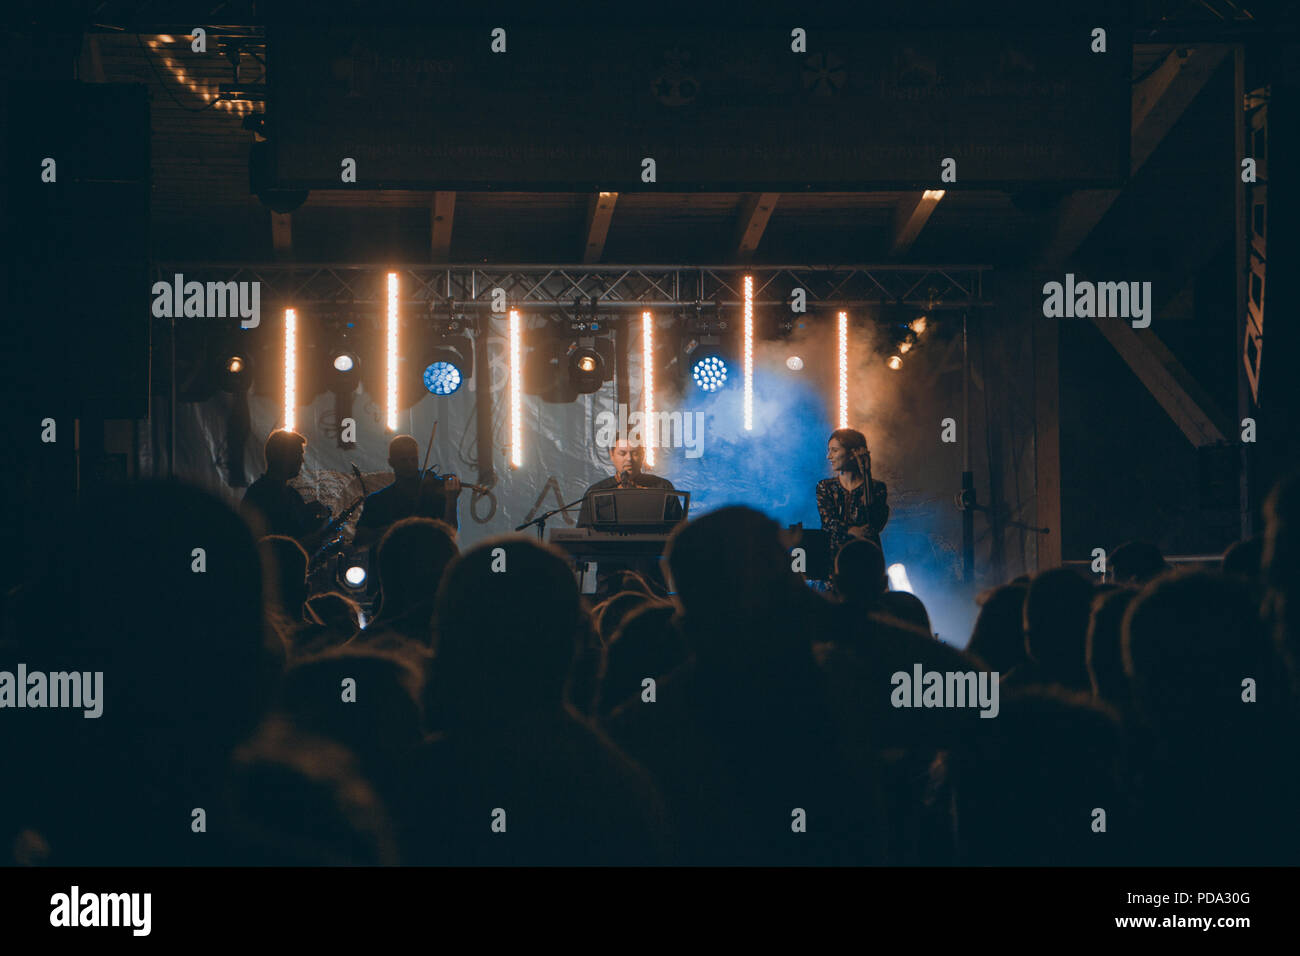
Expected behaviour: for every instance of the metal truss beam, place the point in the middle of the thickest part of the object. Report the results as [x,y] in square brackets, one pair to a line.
[607,287]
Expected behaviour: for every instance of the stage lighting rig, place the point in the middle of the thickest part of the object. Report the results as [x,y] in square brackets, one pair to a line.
[783,330]
[586,366]
[230,360]
[236,372]
[589,358]
[710,357]
[342,356]
[442,377]
[571,355]
[906,333]
[231,368]
[336,365]
[448,356]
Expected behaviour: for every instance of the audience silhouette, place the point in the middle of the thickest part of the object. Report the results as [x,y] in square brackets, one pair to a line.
[489,715]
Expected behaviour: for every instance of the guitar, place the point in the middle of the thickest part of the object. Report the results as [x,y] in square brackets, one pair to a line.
[333,540]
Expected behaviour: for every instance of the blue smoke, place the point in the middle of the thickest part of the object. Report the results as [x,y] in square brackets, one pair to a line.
[776,467]
[773,468]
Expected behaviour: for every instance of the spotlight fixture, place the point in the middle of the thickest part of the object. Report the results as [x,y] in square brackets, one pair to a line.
[447,365]
[442,377]
[709,372]
[586,367]
[236,373]
[355,577]
[342,367]
[794,363]
[587,355]
[234,376]
[568,355]
[905,334]
[709,359]
[447,355]
[335,366]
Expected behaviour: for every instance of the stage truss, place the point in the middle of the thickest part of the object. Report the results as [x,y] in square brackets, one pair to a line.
[603,287]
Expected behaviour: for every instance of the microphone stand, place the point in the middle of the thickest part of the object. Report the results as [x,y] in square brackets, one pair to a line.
[540,520]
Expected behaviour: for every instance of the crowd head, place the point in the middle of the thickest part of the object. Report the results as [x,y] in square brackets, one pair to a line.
[508,618]
[653,725]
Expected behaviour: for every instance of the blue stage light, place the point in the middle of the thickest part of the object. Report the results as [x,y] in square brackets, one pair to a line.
[442,378]
[710,373]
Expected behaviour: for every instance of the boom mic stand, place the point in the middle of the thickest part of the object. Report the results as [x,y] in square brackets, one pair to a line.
[540,520]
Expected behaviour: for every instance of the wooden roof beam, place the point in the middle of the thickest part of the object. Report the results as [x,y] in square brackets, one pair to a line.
[600,213]
[910,216]
[1158,102]
[755,211]
[440,219]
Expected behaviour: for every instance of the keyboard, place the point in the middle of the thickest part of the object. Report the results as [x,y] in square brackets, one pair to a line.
[585,544]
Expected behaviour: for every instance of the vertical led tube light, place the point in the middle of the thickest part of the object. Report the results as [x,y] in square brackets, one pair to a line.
[648,384]
[749,353]
[516,395]
[390,385]
[844,370]
[290,368]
